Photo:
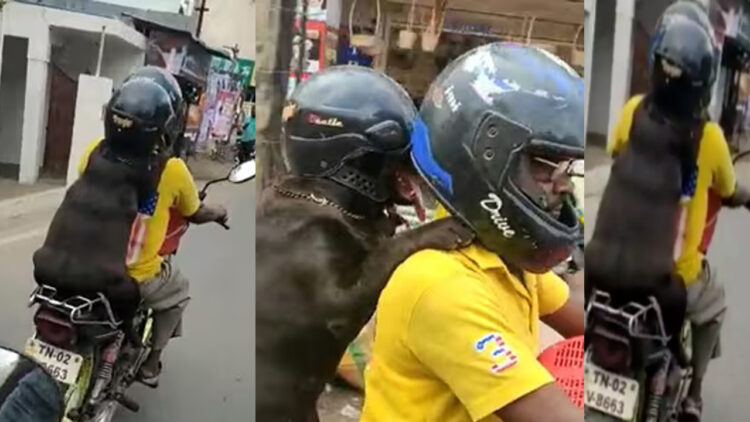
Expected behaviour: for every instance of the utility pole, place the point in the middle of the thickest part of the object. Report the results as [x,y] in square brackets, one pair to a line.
[201,11]
[274,23]
[302,48]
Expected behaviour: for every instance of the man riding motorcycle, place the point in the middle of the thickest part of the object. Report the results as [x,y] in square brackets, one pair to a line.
[144,119]
[457,332]
[683,73]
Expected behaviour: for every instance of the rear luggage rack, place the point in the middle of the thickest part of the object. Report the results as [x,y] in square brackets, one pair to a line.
[78,308]
[633,316]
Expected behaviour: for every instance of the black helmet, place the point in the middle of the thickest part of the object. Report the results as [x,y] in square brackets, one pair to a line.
[683,59]
[486,112]
[349,124]
[146,114]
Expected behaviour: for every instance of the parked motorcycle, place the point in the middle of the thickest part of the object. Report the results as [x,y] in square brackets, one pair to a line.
[28,393]
[92,354]
[631,374]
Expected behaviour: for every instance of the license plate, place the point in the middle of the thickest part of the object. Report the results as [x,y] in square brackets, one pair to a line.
[610,393]
[61,364]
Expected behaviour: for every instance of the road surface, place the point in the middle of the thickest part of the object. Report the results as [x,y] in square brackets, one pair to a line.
[725,387]
[208,373]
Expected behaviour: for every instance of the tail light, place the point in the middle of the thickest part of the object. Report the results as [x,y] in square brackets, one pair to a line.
[611,353]
[54,329]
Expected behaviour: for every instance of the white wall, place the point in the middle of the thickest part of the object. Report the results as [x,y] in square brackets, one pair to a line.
[12,90]
[35,23]
[119,61]
[93,94]
[230,22]
[601,68]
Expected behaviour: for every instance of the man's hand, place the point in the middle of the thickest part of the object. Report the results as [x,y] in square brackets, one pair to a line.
[740,198]
[547,404]
[209,214]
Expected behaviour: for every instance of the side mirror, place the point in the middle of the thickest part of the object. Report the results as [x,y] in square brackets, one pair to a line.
[30,394]
[242,172]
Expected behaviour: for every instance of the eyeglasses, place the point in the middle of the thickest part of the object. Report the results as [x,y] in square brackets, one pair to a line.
[572,168]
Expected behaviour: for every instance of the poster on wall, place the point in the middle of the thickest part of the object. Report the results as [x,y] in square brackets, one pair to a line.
[224,91]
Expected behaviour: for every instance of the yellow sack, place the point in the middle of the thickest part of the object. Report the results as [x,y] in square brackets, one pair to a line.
[352,366]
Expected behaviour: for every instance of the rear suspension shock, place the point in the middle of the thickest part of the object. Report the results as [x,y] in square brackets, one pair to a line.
[104,375]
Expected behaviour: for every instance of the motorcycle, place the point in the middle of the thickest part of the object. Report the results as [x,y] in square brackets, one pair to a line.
[92,354]
[631,374]
[28,393]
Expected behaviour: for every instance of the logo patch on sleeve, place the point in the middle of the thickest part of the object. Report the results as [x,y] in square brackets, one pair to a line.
[493,346]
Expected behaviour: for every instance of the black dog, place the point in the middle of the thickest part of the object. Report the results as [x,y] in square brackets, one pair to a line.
[319,275]
[631,252]
[86,246]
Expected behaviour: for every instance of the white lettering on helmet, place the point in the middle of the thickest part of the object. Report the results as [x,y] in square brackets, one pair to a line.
[122,122]
[670,69]
[493,204]
[331,121]
[452,101]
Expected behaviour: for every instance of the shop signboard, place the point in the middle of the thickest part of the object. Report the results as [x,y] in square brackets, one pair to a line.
[246,70]
[316,10]
[179,54]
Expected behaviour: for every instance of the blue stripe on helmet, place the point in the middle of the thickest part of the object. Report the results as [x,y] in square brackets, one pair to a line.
[425,161]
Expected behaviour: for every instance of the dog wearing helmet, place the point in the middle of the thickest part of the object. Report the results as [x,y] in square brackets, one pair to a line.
[325,233]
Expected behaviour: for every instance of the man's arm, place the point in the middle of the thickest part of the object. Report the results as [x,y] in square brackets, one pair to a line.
[209,214]
[568,320]
[725,184]
[561,305]
[188,202]
[740,197]
[546,404]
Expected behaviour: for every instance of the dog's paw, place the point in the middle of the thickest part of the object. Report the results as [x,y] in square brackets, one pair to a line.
[445,234]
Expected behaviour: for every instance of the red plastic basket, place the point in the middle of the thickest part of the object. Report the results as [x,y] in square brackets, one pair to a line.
[564,360]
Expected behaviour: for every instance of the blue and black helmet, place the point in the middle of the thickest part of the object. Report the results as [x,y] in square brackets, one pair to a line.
[485,113]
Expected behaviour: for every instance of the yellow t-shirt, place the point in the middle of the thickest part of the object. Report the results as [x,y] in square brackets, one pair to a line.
[715,172]
[176,189]
[456,336]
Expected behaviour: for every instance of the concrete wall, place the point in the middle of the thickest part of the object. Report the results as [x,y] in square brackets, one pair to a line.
[36,23]
[601,68]
[588,35]
[119,61]
[12,90]
[73,53]
[229,22]
[93,94]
